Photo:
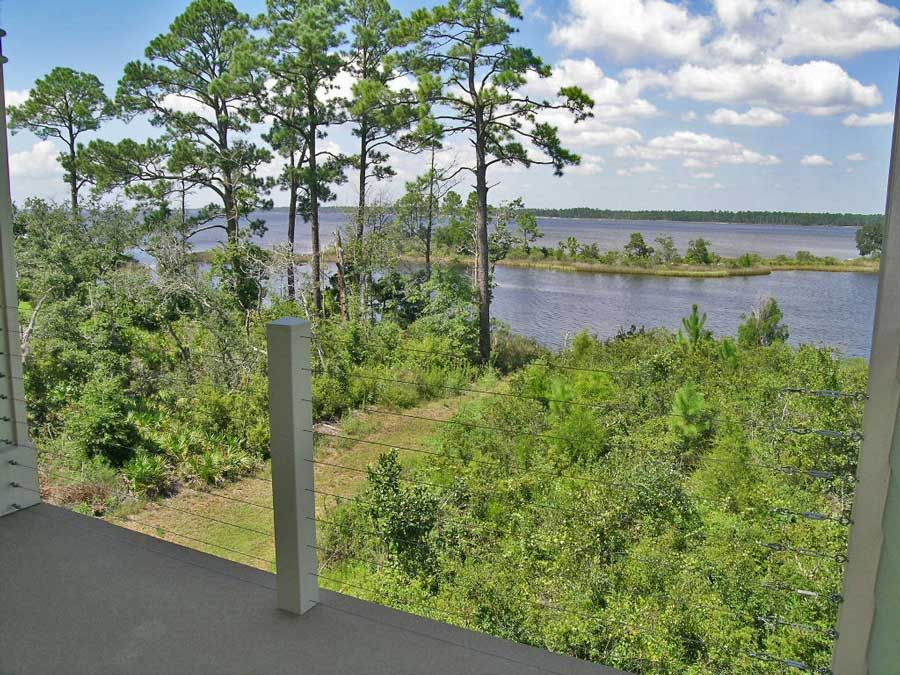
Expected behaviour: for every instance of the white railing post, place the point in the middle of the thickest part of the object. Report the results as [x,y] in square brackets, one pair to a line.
[870,614]
[18,476]
[290,410]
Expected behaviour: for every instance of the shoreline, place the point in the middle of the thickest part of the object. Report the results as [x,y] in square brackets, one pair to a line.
[711,272]
[684,271]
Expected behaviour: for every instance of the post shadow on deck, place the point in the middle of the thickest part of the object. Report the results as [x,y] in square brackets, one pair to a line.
[293,496]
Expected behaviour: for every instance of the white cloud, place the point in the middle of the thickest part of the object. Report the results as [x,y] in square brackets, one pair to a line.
[733,13]
[647,167]
[755,117]
[836,28]
[14,97]
[697,150]
[614,100]
[400,83]
[857,157]
[718,186]
[590,165]
[689,116]
[738,30]
[184,104]
[792,28]
[591,133]
[629,28]
[341,87]
[815,160]
[704,175]
[37,162]
[817,87]
[884,119]
[733,47]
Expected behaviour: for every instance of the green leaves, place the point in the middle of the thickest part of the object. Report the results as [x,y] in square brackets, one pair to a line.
[763,327]
[64,104]
[192,88]
[693,329]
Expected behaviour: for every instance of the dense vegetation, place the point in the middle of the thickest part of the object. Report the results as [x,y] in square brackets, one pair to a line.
[754,217]
[631,531]
[159,375]
[612,502]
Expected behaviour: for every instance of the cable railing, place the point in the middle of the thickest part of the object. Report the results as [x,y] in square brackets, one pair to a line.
[583,488]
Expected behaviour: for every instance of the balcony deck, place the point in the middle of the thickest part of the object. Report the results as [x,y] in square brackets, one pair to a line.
[78,595]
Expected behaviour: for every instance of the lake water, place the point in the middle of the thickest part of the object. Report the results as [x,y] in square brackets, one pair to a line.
[827,308]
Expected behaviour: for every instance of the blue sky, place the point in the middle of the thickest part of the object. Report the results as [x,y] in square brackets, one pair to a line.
[731,104]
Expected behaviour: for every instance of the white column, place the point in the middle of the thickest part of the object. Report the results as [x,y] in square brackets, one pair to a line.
[290,410]
[18,478]
[870,614]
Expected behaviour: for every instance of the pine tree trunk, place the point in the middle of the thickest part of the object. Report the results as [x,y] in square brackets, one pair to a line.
[292,229]
[73,176]
[342,283]
[482,261]
[428,232]
[314,211]
[231,218]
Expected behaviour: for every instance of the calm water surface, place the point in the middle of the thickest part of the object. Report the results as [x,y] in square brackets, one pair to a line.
[819,307]
[824,308]
[730,240]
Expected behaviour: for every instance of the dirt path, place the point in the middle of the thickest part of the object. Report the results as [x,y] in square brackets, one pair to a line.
[235,521]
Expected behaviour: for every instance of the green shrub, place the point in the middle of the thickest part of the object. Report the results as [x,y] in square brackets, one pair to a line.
[147,474]
[763,326]
[101,423]
[511,351]
[746,260]
[220,464]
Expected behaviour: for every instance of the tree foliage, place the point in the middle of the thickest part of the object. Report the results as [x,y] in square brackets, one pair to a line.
[468,67]
[64,104]
[870,239]
[763,326]
[189,88]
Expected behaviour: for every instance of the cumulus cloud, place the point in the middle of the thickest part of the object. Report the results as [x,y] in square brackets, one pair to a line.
[815,160]
[590,165]
[689,116]
[817,87]
[14,97]
[187,105]
[857,157]
[614,100]
[646,167]
[734,13]
[884,119]
[792,28]
[591,133]
[737,29]
[39,161]
[836,28]
[704,175]
[629,28]
[697,150]
[755,117]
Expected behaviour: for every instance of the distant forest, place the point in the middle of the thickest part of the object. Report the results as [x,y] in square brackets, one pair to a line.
[755,217]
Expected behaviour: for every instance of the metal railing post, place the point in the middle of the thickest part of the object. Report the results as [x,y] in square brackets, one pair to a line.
[290,410]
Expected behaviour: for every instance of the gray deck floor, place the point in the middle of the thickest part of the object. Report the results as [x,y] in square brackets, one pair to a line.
[78,595]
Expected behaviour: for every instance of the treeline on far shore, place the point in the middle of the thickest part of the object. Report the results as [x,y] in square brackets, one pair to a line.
[752,217]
